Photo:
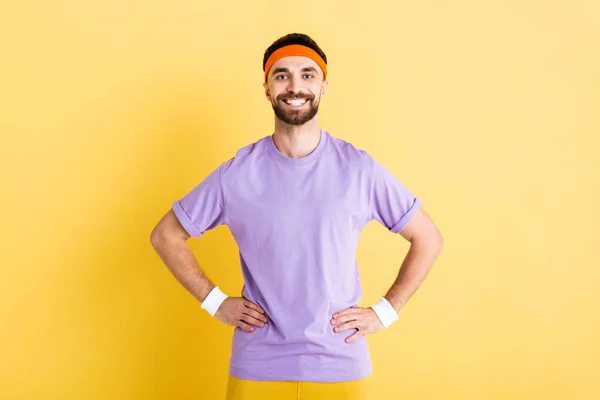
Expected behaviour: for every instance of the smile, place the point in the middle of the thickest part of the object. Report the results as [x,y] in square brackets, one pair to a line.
[295,102]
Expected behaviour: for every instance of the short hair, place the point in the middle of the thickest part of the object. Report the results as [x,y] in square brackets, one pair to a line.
[293,38]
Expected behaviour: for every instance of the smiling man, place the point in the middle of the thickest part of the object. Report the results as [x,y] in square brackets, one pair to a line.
[295,202]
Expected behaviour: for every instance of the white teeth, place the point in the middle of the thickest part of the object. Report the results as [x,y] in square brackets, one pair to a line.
[297,102]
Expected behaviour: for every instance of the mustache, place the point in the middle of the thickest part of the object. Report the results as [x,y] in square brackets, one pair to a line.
[296,96]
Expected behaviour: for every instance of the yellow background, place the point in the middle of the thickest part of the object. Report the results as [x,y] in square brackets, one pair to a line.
[488,111]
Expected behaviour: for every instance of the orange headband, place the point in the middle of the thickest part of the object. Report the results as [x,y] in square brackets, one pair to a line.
[295,50]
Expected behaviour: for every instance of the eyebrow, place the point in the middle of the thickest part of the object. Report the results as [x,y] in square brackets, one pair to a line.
[305,69]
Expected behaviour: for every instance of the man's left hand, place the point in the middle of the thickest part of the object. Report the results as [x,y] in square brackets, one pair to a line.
[362,318]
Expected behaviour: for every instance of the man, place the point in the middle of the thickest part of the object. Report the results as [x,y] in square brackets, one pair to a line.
[296,202]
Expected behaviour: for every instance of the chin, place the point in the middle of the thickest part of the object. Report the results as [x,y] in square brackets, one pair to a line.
[295,118]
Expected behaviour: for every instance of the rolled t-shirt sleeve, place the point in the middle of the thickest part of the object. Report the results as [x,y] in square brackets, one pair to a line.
[392,204]
[203,207]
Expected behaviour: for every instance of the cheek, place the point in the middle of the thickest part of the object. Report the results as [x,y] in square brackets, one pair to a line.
[274,95]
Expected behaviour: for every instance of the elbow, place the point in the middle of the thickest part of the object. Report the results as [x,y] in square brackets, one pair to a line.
[438,241]
[156,237]
[434,241]
[162,235]
[168,229]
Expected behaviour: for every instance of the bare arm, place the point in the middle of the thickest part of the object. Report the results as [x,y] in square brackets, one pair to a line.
[426,244]
[169,239]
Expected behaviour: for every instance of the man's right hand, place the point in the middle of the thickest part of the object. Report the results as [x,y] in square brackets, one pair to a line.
[239,311]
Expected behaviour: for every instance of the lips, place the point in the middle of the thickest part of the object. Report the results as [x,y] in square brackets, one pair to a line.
[295,102]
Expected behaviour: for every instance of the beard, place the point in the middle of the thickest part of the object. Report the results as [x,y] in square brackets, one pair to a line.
[295,117]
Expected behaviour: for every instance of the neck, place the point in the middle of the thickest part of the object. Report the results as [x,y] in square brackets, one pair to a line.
[297,141]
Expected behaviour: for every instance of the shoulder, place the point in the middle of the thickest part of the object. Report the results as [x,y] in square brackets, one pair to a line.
[249,150]
[252,149]
[245,156]
[349,152]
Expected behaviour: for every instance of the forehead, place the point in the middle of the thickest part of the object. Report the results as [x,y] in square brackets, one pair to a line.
[295,62]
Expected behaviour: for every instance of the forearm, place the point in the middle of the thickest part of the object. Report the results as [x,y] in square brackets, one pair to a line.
[180,260]
[414,269]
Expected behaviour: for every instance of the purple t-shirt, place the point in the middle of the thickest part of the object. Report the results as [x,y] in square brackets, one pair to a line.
[297,222]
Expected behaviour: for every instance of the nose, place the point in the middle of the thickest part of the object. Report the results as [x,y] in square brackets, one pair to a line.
[294,84]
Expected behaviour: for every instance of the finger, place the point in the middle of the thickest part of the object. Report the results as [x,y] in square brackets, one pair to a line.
[251,320]
[256,307]
[355,336]
[344,318]
[245,326]
[349,325]
[350,310]
[256,315]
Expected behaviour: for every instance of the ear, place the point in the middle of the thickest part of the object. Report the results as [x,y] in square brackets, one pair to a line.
[267,92]
[323,89]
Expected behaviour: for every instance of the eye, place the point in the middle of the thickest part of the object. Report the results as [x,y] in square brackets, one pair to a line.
[309,75]
[280,76]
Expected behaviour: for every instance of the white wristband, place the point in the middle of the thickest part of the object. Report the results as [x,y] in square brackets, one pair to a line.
[385,312]
[213,300]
